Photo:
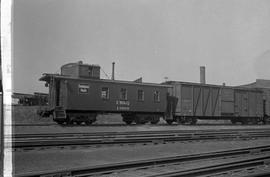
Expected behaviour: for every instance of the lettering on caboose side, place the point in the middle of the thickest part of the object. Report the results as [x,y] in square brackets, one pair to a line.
[83,88]
[122,105]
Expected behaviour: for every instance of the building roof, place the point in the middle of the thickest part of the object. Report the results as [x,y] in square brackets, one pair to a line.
[194,83]
[260,83]
[26,95]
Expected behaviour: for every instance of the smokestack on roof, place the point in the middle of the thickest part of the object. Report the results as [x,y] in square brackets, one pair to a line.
[113,63]
[202,74]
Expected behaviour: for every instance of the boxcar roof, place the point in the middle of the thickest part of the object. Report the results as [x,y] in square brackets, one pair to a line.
[245,88]
[193,83]
[211,85]
[46,77]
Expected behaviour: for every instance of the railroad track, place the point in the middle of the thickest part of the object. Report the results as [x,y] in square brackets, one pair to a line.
[139,137]
[251,162]
[132,125]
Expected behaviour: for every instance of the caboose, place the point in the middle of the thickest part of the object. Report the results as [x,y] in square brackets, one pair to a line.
[78,95]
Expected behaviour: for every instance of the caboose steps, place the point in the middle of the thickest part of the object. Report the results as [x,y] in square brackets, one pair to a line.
[59,115]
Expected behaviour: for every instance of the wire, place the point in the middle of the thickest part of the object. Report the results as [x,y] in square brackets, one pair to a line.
[58,71]
[104,73]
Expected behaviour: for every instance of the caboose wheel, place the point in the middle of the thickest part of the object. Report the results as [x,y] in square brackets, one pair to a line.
[88,122]
[140,122]
[179,121]
[128,122]
[78,122]
[60,122]
[154,122]
[154,119]
[70,122]
[244,122]
[193,121]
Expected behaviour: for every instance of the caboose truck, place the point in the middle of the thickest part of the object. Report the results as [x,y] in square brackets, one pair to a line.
[78,95]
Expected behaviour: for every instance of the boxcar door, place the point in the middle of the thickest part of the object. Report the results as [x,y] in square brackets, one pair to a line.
[241,103]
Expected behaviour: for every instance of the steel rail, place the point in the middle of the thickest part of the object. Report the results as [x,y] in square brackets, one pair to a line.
[133,132]
[216,168]
[122,124]
[134,139]
[148,163]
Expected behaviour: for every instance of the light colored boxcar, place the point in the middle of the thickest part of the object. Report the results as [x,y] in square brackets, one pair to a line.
[197,99]
[207,101]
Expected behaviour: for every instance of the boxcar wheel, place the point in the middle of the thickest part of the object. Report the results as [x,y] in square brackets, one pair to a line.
[254,121]
[180,120]
[190,121]
[233,121]
[169,122]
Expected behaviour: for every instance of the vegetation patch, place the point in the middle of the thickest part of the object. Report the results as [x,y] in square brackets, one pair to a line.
[28,114]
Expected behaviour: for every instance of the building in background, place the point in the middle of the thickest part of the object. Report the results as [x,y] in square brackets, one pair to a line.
[36,99]
[260,83]
[264,85]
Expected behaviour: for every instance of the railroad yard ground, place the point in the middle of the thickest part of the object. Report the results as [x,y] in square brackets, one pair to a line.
[49,160]
[26,121]
[116,128]
[75,156]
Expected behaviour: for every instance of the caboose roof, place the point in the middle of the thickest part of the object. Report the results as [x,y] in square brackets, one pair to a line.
[47,77]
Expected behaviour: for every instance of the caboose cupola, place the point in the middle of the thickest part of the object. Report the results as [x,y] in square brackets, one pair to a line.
[81,70]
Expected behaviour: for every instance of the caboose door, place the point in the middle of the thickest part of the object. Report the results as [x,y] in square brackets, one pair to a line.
[60,93]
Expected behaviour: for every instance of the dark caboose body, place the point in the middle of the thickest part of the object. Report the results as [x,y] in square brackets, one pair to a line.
[79,95]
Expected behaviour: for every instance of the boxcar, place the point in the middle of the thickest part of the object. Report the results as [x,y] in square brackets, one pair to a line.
[205,101]
[80,99]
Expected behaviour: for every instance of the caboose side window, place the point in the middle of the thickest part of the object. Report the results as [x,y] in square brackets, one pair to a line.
[105,93]
[123,94]
[140,95]
[156,96]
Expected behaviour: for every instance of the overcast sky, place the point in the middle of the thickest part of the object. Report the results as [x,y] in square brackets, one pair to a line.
[152,39]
